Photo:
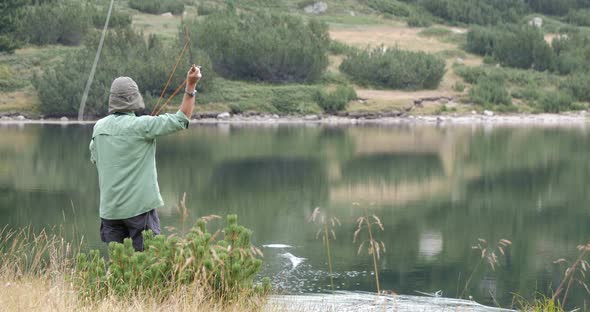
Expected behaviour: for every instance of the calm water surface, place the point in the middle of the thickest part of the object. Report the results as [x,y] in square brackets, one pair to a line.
[436,190]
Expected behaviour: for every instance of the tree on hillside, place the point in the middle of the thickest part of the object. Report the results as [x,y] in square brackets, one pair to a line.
[9,10]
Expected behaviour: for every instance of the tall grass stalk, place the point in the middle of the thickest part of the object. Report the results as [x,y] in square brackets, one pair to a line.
[374,246]
[326,227]
[491,255]
[574,273]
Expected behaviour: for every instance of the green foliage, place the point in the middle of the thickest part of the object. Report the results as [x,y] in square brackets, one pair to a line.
[125,53]
[225,267]
[293,99]
[8,81]
[335,101]
[392,7]
[553,7]
[579,17]
[419,20]
[482,40]
[339,48]
[459,87]
[263,46]
[482,12]
[555,102]
[175,7]
[578,85]
[394,69]
[513,46]
[435,32]
[490,90]
[66,22]
[205,8]
[9,14]
[573,52]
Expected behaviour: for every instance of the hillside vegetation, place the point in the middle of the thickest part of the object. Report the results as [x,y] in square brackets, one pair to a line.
[299,57]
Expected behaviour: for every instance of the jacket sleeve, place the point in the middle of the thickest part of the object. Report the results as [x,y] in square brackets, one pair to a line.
[155,126]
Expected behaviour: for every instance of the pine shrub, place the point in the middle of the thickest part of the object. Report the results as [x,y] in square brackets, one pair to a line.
[394,69]
[490,90]
[337,100]
[263,46]
[175,7]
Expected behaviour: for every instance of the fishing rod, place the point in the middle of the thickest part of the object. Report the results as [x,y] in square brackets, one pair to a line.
[93,70]
[186,45]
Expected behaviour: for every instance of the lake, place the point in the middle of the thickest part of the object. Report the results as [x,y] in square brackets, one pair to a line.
[437,190]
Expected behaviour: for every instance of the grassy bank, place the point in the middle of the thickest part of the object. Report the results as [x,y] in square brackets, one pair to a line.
[41,271]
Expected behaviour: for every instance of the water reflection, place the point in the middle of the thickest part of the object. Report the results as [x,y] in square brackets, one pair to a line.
[437,190]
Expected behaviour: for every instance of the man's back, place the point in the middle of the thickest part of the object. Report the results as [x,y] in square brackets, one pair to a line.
[123,147]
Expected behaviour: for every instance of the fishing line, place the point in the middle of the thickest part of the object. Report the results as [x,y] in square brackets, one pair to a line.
[170,78]
[96,58]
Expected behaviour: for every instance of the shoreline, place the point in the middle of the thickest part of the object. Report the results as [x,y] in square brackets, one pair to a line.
[563,119]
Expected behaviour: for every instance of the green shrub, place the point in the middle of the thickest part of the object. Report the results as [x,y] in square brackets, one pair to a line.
[226,268]
[264,46]
[481,40]
[337,100]
[339,48]
[555,102]
[294,99]
[482,12]
[175,7]
[435,32]
[552,7]
[394,69]
[65,22]
[9,15]
[118,19]
[578,85]
[470,74]
[8,81]
[579,17]
[125,53]
[419,20]
[204,8]
[490,90]
[573,52]
[523,47]
[459,87]
[392,7]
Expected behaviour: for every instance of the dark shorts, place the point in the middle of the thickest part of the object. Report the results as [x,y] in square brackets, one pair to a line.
[117,230]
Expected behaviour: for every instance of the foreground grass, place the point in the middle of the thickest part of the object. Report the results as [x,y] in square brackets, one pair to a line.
[37,270]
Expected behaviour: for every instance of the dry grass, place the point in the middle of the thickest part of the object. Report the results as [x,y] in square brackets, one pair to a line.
[36,270]
[400,36]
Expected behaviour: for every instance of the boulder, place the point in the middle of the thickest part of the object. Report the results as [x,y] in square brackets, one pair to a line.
[488,113]
[224,116]
[316,8]
[21,117]
[537,22]
[311,117]
[167,14]
[63,119]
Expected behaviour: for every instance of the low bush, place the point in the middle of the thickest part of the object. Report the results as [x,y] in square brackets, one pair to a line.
[578,85]
[337,100]
[294,99]
[204,8]
[573,52]
[66,22]
[490,90]
[225,267]
[555,102]
[175,7]
[8,81]
[125,53]
[340,48]
[392,7]
[263,46]
[419,20]
[435,32]
[579,17]
[481,40]
[394,69]
[482,12]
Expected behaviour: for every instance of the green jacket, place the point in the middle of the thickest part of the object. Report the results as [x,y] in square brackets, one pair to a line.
[123,147]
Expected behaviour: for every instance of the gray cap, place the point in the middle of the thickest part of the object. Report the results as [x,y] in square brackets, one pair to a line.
[125,96]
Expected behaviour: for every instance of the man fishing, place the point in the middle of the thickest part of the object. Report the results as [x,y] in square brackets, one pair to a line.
[123,148]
